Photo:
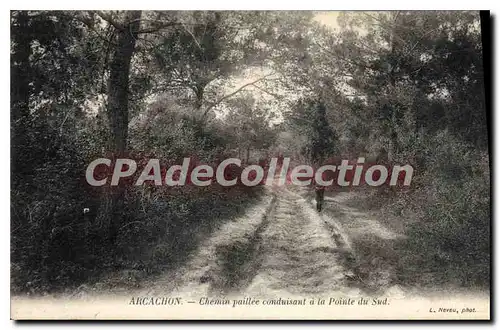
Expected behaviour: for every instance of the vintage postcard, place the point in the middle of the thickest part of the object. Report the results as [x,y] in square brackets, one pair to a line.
[249,165]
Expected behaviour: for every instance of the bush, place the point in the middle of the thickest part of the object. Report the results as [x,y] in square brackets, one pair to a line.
[451,200]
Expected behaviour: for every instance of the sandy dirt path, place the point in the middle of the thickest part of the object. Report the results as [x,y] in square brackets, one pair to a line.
[280,247]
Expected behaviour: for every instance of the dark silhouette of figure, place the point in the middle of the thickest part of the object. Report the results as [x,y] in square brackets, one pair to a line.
[322,141]
[320,197]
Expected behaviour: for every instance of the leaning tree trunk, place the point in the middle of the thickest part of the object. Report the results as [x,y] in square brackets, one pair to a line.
[118,108]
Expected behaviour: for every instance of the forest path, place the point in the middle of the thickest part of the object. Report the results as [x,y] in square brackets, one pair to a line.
[281,247]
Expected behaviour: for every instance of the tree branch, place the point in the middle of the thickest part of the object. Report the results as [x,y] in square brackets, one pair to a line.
[219,101]
[158,28]
[276,96]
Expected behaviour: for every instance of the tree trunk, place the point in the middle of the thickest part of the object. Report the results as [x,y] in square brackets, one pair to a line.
[199,91]
[119,80]
[117,109]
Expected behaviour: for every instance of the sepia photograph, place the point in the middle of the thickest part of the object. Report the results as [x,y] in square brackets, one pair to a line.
[250,165]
